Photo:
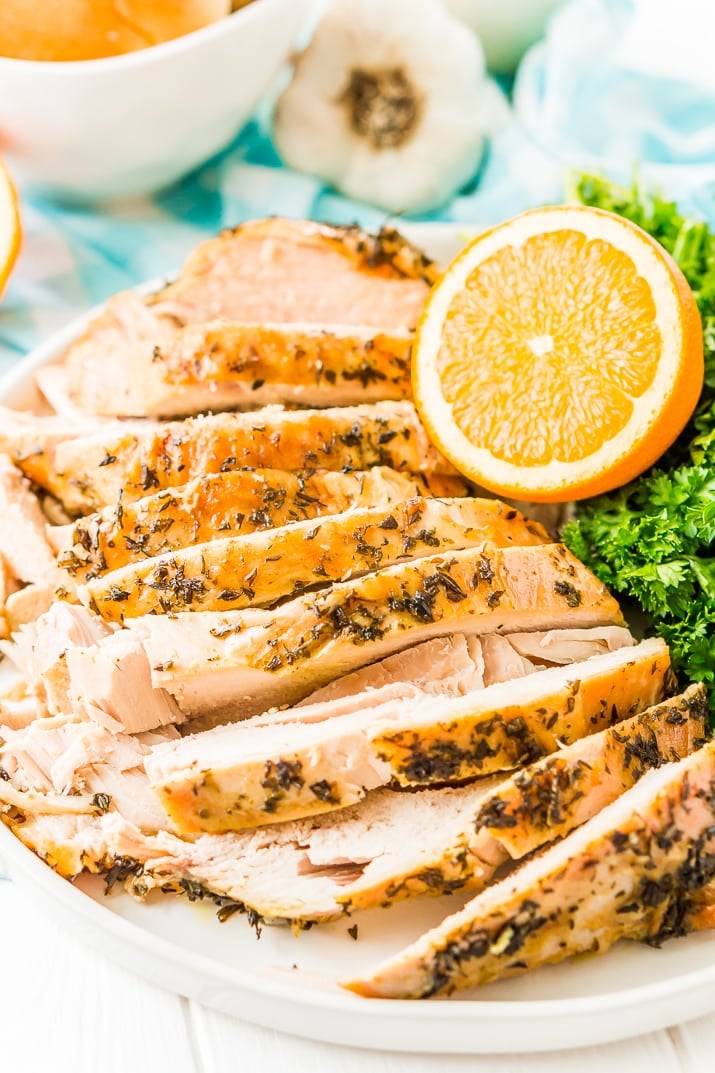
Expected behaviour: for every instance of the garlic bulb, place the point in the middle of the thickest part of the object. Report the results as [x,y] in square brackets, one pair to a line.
[386,103]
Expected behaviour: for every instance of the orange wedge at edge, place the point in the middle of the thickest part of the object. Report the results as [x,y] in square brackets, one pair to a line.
[10,226]
[559,355]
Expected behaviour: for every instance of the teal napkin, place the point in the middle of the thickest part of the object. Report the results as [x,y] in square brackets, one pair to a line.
[74,257]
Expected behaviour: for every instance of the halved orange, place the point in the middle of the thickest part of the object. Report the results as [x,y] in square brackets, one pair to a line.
[559,355]
[10,227]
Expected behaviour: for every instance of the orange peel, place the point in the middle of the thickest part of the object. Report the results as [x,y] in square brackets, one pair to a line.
[10,226]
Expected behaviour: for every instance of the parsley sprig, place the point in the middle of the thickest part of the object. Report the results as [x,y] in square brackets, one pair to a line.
[654,539]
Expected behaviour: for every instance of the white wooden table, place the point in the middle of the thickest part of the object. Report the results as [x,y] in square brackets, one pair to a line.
[66,1009]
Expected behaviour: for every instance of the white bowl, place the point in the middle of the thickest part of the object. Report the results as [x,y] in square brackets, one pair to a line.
[505,29]
[131,124]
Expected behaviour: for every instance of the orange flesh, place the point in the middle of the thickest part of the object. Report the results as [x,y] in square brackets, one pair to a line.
[568,357]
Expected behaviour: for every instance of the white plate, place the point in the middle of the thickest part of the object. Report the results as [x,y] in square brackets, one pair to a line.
[289,982]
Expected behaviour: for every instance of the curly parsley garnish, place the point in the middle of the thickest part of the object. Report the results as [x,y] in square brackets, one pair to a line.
[654,539]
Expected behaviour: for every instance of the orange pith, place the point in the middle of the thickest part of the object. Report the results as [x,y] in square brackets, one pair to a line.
[559,355]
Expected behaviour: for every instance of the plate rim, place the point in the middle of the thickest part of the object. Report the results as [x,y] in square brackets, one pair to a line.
[477,1014]
[73,897]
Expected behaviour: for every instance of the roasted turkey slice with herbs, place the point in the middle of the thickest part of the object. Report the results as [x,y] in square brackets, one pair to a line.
[319,868]
[259,569]
[386,848]
[273,311]
[548,799]
[277,768]
[643,868]
[236,663]
[233,503]
[94,471]
[243,270]
[111,681]
[239,366]
[31,441]
[393,846]
[472,662]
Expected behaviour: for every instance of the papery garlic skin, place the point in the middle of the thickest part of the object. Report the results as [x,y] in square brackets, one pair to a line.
[386,103]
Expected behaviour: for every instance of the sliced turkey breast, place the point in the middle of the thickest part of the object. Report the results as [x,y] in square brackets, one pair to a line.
[246,324]
[467,663]
[642,868]
[30,602]
[396,845]
[548,799]
[91,472]
[254,773]
[39,650]
[454,661]
[23,529]
[111,681]
[302,872]
[269,265]
[243,366]
[237,663]
[31,441]
[565,646]
[78,761]
[386,848]
[241,502]
[53,383]
[8,585]
[259,569]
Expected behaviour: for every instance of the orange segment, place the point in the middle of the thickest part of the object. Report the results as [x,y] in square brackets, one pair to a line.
[559,355]
[10,228]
